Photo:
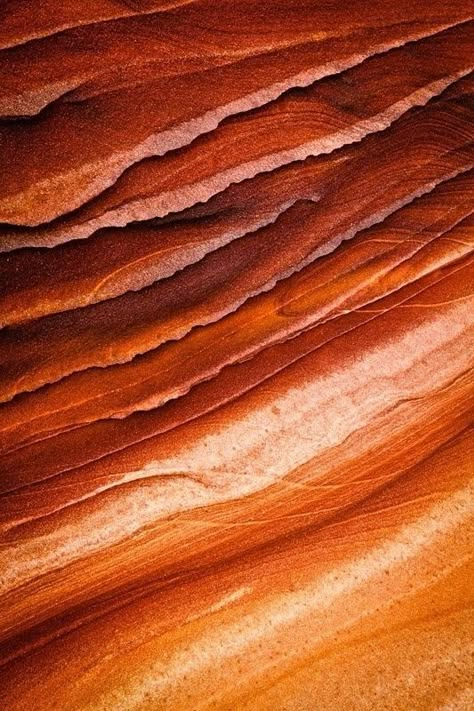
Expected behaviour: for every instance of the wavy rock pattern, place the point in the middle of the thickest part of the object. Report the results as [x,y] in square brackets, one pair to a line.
[236,337]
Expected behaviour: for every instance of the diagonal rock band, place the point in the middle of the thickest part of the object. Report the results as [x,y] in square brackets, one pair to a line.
[236,338]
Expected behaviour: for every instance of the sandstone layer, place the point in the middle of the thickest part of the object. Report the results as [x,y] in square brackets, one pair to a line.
[236,351]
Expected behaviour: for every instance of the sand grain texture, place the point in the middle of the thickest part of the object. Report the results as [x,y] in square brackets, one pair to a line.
[236,351]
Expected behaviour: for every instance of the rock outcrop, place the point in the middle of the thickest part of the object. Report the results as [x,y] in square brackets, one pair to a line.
[236,338]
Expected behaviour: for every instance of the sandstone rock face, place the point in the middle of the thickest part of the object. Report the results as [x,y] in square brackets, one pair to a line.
[236,350]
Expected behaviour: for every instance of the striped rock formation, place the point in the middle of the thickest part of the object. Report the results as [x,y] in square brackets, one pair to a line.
[236,350]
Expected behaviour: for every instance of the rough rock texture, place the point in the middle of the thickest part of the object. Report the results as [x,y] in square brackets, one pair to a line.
[236,338]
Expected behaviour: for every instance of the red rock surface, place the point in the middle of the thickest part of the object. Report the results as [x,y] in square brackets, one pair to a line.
[236,338]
